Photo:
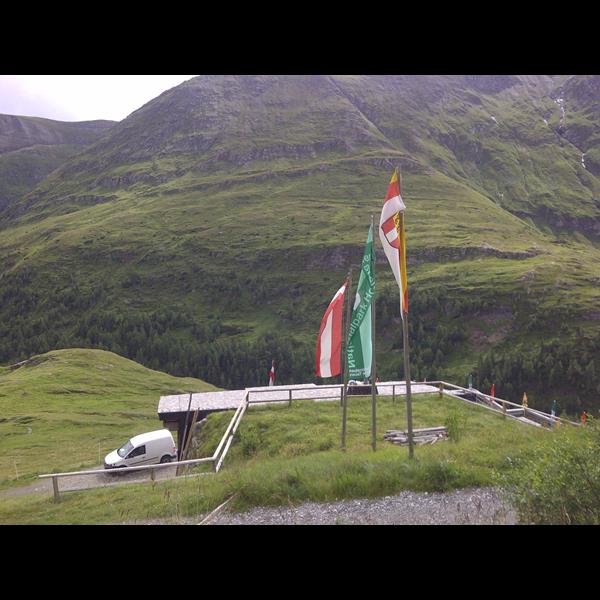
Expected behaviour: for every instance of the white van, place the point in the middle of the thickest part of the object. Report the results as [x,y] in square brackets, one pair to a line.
[144,449]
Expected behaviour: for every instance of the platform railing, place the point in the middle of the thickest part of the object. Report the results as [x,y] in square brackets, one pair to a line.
[502,404]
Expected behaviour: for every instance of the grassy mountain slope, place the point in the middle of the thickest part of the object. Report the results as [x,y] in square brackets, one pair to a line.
[206,233]
[31,148]
[503,137]
[64,409]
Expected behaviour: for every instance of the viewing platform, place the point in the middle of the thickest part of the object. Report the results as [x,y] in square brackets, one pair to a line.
[175,410]
[207,402]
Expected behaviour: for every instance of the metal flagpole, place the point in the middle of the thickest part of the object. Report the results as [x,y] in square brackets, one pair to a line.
[373,364]
[344,342]
[404,316]
[345,391]
[411,451]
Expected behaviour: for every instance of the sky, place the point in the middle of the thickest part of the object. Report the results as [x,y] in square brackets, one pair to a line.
[81,97]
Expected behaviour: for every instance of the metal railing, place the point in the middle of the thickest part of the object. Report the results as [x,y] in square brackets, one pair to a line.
[230,432]
[290,391]
[499,404]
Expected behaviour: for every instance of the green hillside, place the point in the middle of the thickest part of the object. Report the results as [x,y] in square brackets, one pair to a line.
[31,148]
[61,410]
[205,234]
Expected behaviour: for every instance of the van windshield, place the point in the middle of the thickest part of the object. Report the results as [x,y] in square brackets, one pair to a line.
[123,451]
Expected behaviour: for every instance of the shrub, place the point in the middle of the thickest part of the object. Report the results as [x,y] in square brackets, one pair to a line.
[440,476]
[456,424]
[327,444]
[250,441]
[559,481]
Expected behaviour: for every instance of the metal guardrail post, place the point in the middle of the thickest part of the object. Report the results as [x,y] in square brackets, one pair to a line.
[290,398]
[441,390]
[393,393]
[55,487]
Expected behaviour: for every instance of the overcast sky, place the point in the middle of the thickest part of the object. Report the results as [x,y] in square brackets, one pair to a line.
[81,97]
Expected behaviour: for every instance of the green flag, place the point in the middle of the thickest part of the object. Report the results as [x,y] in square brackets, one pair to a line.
[359,335]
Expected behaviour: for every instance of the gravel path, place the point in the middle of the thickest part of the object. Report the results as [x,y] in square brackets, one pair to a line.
[475,506]
[84,482]
[479,506]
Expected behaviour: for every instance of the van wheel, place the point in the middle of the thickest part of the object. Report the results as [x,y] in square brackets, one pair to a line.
[165,459]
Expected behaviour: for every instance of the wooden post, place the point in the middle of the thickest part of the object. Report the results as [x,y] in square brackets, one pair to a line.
[504,409]
[181,443]
[345,393]
[441,390]
[187,441]
[393,393]
[290,391]
[55,488]
[373,363]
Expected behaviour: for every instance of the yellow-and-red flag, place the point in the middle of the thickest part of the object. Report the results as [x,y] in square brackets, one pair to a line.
[393,237]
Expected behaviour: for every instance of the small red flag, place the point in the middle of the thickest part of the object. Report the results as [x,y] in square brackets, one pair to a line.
[272,374]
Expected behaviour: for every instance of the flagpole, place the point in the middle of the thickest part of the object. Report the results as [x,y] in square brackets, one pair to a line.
[345,341]
[408,385]
[373,364]
[404,317]
[345,391]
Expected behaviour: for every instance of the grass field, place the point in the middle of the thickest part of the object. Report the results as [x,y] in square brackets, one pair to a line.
[67,409]
[285,455]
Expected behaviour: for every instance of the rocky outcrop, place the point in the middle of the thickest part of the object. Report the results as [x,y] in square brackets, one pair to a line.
[589,225]
[120,181]
[275,151]
[491,83]
[456,254]
[338,257]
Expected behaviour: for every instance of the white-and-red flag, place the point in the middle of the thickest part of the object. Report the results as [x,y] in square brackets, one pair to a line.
[272,373]
[393,237]
[329,342]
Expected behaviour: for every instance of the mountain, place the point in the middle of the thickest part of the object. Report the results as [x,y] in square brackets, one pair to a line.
[31,148]
[206,233]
